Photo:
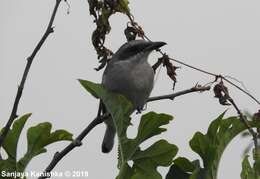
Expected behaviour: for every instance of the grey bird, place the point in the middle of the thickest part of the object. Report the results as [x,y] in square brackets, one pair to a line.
[129,73]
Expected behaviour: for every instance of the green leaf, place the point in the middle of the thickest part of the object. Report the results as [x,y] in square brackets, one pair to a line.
[185,169]
[38,137]
[12,138]
[93,88]
[199,173]
[248,172]
[145,162]
[119,108]
[213,127]
[160,152]
[149,126]
[176,172]
[256,157]
[117,105]
[185,164]
[8,165]
[126,172]
[210,146]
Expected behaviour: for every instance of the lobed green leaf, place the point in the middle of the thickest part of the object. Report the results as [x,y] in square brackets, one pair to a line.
[145,162]
[39,137]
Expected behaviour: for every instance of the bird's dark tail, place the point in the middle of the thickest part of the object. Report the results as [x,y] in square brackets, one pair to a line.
[108,141]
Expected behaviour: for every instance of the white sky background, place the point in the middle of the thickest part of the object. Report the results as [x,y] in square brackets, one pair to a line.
[220,36]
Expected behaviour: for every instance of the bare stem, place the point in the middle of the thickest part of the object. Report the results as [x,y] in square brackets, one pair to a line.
[244,120]
[180,93]
[14,115]
[138,28]
[75,143]
[244,91]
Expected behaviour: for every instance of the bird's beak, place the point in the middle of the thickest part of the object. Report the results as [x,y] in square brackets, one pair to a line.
[154,45]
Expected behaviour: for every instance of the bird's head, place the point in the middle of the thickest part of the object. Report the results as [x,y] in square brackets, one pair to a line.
[136,48]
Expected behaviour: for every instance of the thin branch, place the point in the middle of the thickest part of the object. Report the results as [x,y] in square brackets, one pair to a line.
[216,76]
[180,93]
[238,81]
[244,120]
[244,91]
[14,115]
[195,68]
[76,143]
[222,93]
[139,28]
[162,53]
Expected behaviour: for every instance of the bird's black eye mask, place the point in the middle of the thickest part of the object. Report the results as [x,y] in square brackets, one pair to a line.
[131,50]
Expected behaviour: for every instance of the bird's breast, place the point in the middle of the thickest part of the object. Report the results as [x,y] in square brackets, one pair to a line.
[133,81]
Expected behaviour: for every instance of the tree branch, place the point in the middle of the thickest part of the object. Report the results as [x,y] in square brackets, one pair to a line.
[219,89]
[244,120]
[76,143]
[14,115]
[180,93]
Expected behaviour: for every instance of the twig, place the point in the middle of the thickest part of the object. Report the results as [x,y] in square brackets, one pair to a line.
[135,25]
[172,96]
[243,119]
[222,93]
[14,115]
[76,143]
[217,76]
[195,68]
[244,91]
[238,81]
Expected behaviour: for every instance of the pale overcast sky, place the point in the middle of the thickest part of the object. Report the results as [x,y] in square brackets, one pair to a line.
[220,36]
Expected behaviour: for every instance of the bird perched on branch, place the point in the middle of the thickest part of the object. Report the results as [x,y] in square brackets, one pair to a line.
[129,73]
